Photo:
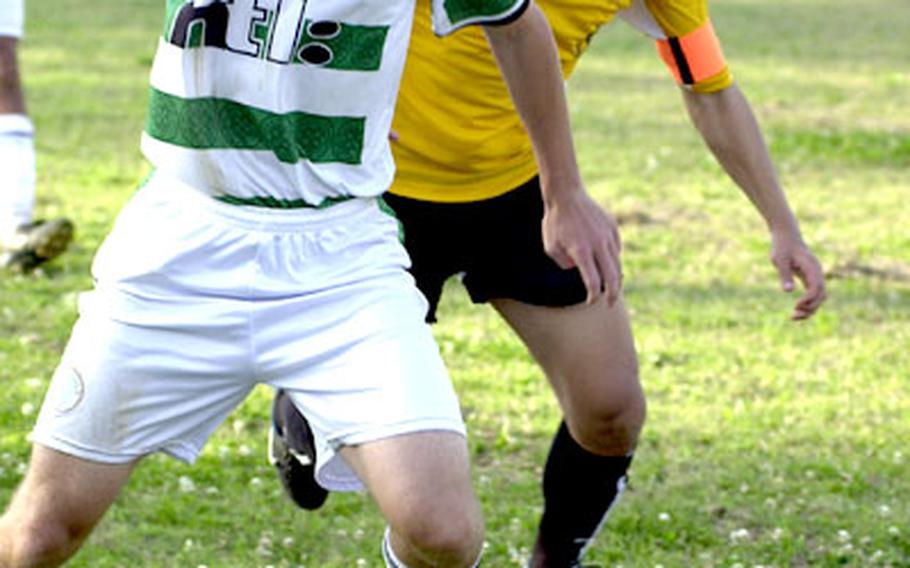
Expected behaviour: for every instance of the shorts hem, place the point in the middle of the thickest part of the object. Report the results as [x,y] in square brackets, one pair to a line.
[355,438]
[178,450]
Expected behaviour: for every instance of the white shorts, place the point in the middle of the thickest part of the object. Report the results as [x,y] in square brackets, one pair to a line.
[12,18]
[196,301]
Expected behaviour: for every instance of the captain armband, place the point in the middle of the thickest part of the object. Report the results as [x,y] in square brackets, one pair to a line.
[694,57]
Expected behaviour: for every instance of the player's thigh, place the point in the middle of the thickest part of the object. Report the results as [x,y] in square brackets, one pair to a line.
[65,492]
[419,478]
[586,351]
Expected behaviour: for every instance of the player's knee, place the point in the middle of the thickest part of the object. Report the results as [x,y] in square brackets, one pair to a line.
[39,542]
[449,537]
[610,424]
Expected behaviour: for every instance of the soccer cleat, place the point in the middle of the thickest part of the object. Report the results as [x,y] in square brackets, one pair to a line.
[293,453]
[36,243]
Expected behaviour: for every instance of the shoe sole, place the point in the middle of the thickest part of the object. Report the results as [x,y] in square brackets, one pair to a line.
[296,468]
[45,242]
[50,239]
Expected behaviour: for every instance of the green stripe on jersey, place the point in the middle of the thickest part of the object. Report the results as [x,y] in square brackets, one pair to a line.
[349,47]
[276,203]
[461,10]
[210,123]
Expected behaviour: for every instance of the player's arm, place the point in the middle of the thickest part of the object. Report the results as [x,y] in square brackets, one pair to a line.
[728,126]
[689,47]
[576,231]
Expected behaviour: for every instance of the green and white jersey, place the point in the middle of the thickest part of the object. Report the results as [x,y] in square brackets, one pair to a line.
[286,102]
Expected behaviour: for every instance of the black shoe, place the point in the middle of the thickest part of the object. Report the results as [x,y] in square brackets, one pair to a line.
[36,243]
[293,453]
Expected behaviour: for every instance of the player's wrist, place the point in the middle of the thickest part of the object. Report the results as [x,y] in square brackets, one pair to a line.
[556,188]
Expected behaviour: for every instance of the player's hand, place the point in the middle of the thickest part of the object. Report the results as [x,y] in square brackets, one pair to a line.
[578,233]
[792,257]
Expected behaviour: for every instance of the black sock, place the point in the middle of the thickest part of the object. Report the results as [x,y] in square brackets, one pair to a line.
[579,488]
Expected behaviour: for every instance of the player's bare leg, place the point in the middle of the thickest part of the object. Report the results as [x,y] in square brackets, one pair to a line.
[422,484]
[588,355]
[55,508]
[24,243]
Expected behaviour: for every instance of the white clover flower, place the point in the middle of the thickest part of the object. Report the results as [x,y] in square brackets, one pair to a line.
[27,409]
[287,542]
[255,482]
[740,535]
[244,450]
[884,510]
[843,536]
[777,533]
[33,383]
[186,484]
[893,530]
[265,546]
[663,517]
[361,562]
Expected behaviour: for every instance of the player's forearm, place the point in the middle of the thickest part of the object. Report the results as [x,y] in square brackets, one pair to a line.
[728,126]
[529,62]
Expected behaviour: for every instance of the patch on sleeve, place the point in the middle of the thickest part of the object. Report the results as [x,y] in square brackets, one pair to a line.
[451,15]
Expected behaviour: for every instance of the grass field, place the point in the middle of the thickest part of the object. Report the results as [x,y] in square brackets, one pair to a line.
[769,443]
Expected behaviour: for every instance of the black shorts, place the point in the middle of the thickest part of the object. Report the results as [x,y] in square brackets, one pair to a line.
[496,243]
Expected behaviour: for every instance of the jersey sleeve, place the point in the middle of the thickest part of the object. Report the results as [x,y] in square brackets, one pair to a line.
[685,40]
[452,15]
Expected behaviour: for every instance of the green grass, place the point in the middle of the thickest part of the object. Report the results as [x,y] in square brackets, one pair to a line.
[768,443]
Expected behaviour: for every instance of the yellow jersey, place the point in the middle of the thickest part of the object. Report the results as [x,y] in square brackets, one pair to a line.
[460,138]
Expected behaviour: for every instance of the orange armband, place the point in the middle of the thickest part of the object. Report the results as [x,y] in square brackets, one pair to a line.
[693,57]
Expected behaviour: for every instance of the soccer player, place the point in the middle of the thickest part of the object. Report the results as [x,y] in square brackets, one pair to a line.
[259,252]
[471,200]
[24,243]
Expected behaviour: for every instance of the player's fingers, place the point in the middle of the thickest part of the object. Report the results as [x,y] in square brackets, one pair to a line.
[785,272]
[590,275]
[812,299]
[560,257]
[610,272]
[810,273]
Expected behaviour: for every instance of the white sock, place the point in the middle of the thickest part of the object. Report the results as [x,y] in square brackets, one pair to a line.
[392,561]
[17,162]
